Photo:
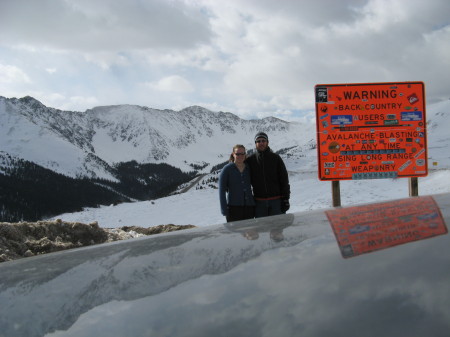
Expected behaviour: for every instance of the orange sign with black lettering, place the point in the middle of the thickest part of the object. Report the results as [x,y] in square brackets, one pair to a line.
[371,130]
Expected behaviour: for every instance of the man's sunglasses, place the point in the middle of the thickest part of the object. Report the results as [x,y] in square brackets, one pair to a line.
[260,141]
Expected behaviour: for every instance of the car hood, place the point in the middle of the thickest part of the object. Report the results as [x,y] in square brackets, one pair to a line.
[370,270]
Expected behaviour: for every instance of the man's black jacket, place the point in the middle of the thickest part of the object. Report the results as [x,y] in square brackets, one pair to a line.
[268,175]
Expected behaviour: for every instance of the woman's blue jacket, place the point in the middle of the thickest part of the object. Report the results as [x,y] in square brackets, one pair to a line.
[235,188]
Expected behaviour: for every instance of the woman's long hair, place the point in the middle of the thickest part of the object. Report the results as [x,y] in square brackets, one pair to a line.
[237,146]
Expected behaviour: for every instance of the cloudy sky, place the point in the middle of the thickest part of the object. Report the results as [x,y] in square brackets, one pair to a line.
[254,58]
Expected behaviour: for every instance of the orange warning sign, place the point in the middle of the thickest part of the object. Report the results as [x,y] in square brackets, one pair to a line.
[363,229]
[371,130]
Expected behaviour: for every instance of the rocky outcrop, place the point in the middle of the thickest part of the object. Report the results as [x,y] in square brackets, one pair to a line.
[24,239]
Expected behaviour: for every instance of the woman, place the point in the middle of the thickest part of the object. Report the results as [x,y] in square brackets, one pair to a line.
[235,189]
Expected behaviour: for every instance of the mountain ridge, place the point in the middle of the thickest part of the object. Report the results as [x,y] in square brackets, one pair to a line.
[134,132]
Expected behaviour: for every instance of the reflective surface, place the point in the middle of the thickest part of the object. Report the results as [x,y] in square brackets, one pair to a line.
[278,276]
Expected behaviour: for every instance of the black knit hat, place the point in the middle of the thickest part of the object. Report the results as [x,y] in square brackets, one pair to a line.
[261,135]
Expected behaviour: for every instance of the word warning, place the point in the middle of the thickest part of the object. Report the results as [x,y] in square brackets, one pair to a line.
[371,130]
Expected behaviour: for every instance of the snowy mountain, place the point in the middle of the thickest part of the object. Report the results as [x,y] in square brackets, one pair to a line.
[118,153]
[90,143]
[54,139]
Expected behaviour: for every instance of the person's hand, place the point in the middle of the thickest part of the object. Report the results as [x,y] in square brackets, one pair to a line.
[285,205]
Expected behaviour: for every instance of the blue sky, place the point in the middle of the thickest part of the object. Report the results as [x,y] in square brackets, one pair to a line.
[254,58]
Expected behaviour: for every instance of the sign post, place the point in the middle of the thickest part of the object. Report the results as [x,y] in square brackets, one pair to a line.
[371,131]
[413,187]
[336,193]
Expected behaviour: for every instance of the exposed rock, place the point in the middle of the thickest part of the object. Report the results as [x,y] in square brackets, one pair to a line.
[25,239]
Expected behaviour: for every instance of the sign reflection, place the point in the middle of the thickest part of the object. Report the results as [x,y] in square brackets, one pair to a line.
[364,229]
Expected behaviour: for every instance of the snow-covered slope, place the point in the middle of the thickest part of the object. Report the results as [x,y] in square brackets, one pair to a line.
[88,144]
[180,138]
[49,138]
[438,116]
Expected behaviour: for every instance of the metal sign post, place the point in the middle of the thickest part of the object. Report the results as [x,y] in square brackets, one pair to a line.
[336,193]
[413,187]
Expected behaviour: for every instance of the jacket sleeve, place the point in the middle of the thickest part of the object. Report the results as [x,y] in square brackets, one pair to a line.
[223,188]
[283,177]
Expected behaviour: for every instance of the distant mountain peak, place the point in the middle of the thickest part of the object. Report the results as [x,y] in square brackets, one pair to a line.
[121,133]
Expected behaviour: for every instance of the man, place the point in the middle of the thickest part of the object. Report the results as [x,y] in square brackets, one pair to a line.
[269,179]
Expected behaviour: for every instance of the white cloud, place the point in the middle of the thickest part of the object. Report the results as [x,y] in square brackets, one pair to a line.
[102,25]
[253,57]
[12,74]
[83,101]
[439,41]
[172,83]
[71,103]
